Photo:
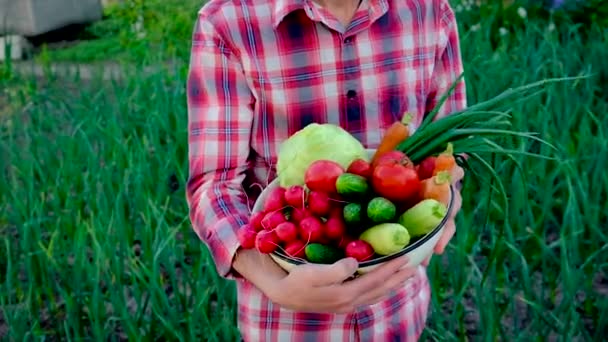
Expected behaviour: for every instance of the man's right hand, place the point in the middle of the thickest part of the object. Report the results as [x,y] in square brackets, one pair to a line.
[322,288]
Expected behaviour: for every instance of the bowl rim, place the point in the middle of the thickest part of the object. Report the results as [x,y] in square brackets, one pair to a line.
[395,255]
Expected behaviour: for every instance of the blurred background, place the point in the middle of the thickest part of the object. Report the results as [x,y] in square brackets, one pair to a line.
[95,238]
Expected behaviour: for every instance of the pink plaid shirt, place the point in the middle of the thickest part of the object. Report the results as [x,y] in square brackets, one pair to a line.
[261,70]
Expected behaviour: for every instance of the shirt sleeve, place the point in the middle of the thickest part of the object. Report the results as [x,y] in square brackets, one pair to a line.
[219,127]
[448,66]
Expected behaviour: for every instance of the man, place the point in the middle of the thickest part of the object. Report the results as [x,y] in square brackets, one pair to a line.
[260,71]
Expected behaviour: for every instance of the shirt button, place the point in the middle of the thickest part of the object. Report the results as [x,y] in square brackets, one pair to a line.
[348,40]
[351,94]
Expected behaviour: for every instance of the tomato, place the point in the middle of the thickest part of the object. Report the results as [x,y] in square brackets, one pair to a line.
[360,167]
[394,157]
[321,176]
[395,182]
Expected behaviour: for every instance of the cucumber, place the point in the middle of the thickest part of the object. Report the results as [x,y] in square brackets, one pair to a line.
[386,238]
[381,210]
[322,254]
[351,185]
[423,217]
[352,214]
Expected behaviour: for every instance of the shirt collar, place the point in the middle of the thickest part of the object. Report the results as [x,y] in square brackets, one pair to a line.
[281,8]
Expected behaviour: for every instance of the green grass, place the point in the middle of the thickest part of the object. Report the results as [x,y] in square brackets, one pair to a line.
[96,243]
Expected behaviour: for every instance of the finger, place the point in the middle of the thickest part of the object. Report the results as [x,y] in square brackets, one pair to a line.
[457,174]
[338,272]
[394,282]
[426,261]
[375,278]
[446,236]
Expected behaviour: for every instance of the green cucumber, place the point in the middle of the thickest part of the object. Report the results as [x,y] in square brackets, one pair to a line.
[352,214]
[386,238]
[423,217]
[322,254]
[381,210]
[351,185]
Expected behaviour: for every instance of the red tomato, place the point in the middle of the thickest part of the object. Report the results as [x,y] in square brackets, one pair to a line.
[395,182]
[321,176]
[394,157]
[360,167]
[359,250]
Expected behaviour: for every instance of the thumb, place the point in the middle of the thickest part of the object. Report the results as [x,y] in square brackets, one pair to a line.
[334,273]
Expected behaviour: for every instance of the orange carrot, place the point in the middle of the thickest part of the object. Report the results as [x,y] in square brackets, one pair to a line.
[437,187]
[394,135]
[445,160]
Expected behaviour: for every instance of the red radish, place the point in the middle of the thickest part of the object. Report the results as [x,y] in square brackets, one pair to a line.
[319,203]
[335,227]
[256,220]
[296,249]
[359,250]
[247,235]
[272,219]
[294,196]
[311,229]
[345,240]
[426,167]
[267,241]
[275,199]
[360,167]
[321,176]
[299,213]
[287,231]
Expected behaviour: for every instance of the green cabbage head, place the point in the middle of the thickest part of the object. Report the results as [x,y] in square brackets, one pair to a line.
[314,142]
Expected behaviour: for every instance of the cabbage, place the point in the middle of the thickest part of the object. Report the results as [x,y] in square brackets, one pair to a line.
[315,142]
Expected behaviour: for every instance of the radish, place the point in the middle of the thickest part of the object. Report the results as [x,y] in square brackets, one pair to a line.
[311,229]
[321,175]
[247,235]
[272,219]
[287,231]
[266,241]
[294,196]
[335,227]
[299,213]
[345,240]
[256,220]
[295,249]
[275,199]
[426,167]
[359,250]
[319,203]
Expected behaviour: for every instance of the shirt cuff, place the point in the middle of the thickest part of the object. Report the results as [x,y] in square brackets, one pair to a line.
[224,244]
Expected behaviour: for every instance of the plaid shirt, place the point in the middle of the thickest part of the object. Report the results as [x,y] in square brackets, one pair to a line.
[261,70]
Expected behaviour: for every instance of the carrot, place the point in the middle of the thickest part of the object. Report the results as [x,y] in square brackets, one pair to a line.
[445,161]
[437,187]
[394,135]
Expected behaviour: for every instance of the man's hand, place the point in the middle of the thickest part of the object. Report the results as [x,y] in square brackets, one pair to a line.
[322,288]
[450,225]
